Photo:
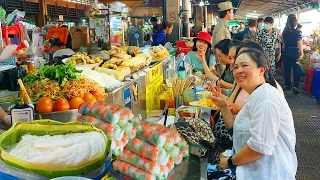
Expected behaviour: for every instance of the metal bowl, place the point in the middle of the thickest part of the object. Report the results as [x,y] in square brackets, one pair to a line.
[61,116]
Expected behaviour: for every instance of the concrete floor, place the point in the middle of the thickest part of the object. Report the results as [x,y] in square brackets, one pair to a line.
[306,114]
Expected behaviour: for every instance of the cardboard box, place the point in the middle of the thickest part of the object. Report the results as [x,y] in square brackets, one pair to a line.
[80,37]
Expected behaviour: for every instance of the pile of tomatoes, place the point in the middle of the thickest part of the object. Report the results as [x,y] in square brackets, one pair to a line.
[46,104]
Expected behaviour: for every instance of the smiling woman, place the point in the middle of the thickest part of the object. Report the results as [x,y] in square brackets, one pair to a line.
[264,128]
[201,53]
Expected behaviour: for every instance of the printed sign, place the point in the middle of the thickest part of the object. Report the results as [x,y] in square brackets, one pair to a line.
[60,17]
[172,17]
[127,98]
[22,115]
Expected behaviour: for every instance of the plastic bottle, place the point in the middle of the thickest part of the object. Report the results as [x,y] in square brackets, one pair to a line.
[170,99]
[162,99]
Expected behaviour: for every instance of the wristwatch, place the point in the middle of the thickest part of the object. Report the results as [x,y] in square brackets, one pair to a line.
[231,163]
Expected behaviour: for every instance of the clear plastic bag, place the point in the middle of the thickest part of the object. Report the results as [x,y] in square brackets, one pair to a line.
[6,170]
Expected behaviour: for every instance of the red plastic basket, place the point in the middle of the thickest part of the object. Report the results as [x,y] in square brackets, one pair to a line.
[184,50]
[180,44]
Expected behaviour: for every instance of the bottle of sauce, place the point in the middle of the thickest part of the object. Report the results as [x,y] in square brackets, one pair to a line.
[170,100]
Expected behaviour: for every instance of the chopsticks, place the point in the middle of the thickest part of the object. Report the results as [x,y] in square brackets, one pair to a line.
[180,85]
[24,91]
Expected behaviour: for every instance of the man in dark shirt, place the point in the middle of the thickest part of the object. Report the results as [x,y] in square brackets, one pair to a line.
[156,26]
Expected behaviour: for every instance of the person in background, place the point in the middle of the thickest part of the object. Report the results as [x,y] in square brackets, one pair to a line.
[192,33]
[201,53]
[267,39]
[69,39]
[58,48]
[251,35]
[264,134]
[233,29]
[292,55]
[241,28]
[159,37]
[156,26]
[4,119]
[299,27]
[212,30]
[222,50]
[221,30]
[260,24]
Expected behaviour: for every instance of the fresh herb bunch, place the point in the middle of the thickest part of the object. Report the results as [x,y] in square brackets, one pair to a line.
[60,73]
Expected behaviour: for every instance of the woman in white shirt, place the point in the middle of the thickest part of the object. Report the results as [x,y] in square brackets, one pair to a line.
[264,137]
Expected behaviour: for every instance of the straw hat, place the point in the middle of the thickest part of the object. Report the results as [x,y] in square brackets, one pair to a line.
[223,6]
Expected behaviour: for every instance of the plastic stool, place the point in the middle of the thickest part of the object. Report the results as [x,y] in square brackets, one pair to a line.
[308,80]
[315,90]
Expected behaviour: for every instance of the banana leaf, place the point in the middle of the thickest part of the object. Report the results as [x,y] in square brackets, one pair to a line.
[49,127]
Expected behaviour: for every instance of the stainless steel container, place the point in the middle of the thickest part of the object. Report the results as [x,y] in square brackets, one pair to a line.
[62,116]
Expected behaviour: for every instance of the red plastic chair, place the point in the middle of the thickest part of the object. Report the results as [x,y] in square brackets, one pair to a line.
[13,30]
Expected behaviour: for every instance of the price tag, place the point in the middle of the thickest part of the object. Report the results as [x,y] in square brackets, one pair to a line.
[21,115]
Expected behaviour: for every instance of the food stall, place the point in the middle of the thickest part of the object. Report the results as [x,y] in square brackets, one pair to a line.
[68,97]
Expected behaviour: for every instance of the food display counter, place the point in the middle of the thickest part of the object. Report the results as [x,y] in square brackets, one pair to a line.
[140,94]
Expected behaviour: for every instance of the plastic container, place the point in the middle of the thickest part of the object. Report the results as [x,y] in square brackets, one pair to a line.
[203,94]
[186,111]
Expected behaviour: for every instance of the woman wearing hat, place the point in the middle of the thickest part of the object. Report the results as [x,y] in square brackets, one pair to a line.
[201,53]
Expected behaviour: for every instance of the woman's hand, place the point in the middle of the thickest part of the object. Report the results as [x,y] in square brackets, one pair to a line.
[203,57]
[299,59]
[217,97]
[223,164]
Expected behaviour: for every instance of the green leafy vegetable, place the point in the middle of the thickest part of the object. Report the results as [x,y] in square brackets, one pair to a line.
[30,79]
[61,74]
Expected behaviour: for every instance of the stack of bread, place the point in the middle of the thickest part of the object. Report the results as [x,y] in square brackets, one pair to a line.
[121,64]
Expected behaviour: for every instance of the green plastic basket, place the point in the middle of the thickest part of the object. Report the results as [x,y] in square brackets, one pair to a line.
[49,127]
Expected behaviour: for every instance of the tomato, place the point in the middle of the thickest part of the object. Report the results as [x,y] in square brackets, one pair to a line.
[76,102]
[44,105]
[61,104]
[88,97]
[98,96]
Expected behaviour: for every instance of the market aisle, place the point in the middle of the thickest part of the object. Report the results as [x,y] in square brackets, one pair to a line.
[306,114]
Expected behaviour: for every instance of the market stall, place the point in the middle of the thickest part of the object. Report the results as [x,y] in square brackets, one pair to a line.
[119,96]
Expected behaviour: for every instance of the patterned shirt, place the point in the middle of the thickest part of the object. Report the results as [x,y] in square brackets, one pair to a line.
[249,36]
[268,42]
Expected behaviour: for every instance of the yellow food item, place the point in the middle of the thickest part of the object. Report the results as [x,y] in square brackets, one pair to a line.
[117,74]
[124,70]
[82,58]
[207,103]
[109,66]
[160,52]
[97,60]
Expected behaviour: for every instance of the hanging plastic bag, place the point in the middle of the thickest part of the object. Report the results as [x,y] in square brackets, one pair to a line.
[2,12]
